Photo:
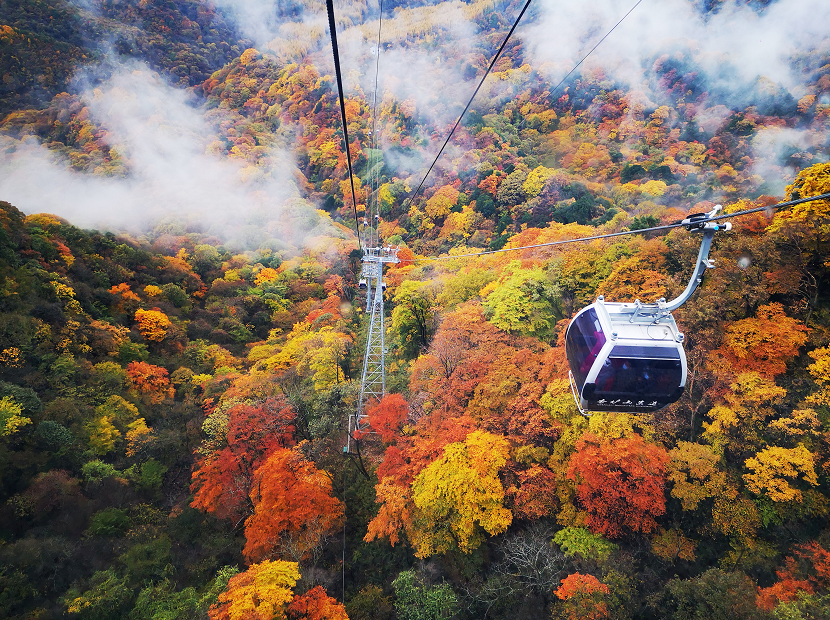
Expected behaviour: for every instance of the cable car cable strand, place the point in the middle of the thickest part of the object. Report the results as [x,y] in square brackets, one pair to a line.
[607,34]
[335,51]
[374,178]
[640,231]
[470,102]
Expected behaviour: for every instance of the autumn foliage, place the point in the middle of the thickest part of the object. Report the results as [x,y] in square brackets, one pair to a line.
[619,483]
[459,495]
[388,416]
[153,324]
[293,508]
[808,570]
[260,593]
[583,596]
[316,605]
[223,478]
[150,380]
[226,354]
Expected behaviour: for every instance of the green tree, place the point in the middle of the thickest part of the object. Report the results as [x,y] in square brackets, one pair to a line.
[413,316]
[581,540]
[108,597]
[53,435]
[160,601]
[714,595]
[205,259]
[148,560]
[511,191]
[526,302]
[108,378]
[108,522]
[414,600]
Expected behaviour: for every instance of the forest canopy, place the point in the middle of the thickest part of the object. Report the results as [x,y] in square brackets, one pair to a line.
[176,393]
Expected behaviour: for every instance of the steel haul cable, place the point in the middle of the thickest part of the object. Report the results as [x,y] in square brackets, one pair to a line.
[576,66]
[493,62]
[374,174]
[469,103]
[640,231]
[336,52]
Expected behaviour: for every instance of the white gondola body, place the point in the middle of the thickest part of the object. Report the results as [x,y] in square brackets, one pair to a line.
[624,360]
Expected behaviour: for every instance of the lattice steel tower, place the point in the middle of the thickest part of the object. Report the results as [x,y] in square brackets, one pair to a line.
[373,381]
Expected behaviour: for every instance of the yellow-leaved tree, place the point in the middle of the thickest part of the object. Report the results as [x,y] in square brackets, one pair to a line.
[773,471]
[807,223]
[737,424]
[694,471]
[820,371]
[114,418]
[153,324]
[10,417]
[260,593]
[459,496]
[806,229]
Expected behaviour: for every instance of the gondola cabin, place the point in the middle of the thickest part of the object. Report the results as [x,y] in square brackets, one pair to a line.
[625,357]
[629,357]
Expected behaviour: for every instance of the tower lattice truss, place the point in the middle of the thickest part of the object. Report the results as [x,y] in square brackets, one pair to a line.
[373,380]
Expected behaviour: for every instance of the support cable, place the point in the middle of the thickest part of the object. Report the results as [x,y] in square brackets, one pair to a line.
[336,52]
[486,73]
[640,231]
[576,66]
[375,176]
[469,103]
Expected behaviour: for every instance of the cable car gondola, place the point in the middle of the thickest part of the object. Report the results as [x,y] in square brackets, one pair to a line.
[629,356]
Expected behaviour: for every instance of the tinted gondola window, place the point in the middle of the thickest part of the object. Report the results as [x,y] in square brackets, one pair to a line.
[652,372]
[584,342]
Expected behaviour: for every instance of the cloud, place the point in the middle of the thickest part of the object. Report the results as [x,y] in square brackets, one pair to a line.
[161,134]
[782,151]
[739,55]
[733,47]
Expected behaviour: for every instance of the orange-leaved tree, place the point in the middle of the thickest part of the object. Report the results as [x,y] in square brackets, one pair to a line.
[388,416]
[150,380]
[583,596]
[124,300]
[806,571]
[641,276]
[461,354]
[762,344]
[316,605]
[619,483]
[293,508]
[402,462]
[535,495]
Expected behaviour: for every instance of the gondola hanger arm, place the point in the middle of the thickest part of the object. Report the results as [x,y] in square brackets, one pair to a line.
[701,222]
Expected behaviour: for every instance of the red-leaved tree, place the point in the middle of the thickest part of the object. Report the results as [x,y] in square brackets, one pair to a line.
[619,483]
[222,480]
[807,571]
[388,416]
[316,605]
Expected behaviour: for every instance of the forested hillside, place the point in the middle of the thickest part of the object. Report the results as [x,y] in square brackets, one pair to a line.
[182,332]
